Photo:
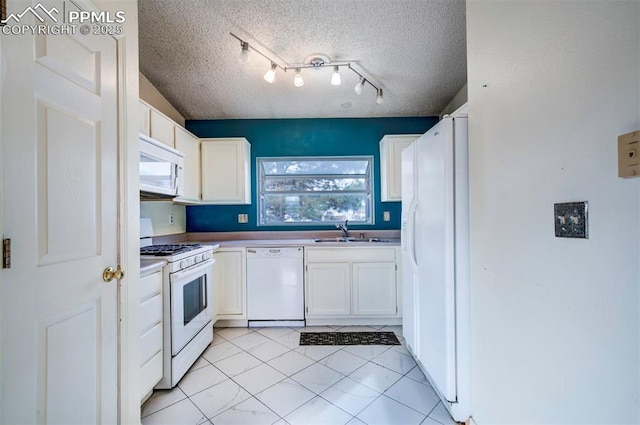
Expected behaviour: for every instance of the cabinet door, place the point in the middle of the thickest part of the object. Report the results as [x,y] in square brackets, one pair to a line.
[189,145]
[391,147]
[226,171]
[328,289]
[374,289]
[162,128]
[230,283]
[144,118]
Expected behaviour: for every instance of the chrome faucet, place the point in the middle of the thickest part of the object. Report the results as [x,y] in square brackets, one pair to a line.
[344,227]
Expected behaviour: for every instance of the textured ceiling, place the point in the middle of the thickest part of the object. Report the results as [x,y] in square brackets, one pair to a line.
[415,50]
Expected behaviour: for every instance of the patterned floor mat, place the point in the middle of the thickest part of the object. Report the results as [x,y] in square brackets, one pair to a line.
[348,338]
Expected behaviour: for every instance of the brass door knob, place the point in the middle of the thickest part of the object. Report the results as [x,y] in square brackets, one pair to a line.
[110,273]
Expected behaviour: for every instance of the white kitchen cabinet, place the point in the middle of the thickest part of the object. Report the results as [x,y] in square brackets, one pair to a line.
[351,283]
[374,289]
[226,171]
[162,128]
[230,284]
[150,332]
[144,118]
[189,145]
[391,147]
[328,289]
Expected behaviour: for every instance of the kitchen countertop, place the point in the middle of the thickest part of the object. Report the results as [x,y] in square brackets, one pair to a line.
[149,266]
[308,243]
[282,238]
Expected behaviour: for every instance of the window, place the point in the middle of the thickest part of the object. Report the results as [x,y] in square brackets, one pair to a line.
[314,190]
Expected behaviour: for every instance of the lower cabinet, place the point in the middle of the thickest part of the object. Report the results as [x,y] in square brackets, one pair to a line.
[328,289]
[351,283]
[230,284]
[150,332]
[374,289]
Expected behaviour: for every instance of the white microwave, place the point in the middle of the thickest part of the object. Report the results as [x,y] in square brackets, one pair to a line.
[161,170]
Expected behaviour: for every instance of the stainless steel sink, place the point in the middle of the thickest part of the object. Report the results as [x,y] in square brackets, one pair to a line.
[349,240]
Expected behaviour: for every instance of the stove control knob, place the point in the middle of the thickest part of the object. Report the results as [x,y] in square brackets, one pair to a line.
[206,255]
[199,258]
[184,264]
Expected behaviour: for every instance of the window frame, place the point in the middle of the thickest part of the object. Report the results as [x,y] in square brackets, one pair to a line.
[260,176]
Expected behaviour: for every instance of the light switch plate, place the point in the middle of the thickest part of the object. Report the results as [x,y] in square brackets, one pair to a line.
[243,218]
[571,220]
[386,216]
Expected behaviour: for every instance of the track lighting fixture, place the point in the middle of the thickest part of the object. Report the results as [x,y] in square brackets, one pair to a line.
[335,77]
[270,75]
[315,61]
[359,86]
[297,79]
[244,52]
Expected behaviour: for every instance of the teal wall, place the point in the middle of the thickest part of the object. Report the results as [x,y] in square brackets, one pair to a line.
[301,137]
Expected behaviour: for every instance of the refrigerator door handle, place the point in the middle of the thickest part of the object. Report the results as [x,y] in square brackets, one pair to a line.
[412,246]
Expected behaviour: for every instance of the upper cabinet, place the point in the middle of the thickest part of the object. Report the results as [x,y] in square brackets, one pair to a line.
[391,147]
[162,128]
[226,171]
[189,145]
[144,118]
[216,171]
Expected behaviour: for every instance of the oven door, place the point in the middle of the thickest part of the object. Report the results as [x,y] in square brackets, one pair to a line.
[191,303]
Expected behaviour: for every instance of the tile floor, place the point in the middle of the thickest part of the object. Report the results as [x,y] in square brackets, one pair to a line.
[263,376]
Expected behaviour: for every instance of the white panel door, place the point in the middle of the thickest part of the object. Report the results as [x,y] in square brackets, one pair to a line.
[59,319]
[435,258]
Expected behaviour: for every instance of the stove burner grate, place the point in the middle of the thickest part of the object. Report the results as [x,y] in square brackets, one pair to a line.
[164,250]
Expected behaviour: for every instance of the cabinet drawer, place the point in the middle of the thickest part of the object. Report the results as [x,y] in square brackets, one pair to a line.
[150,343]
[150,285]
[150,312]
[350,254]
[150,374]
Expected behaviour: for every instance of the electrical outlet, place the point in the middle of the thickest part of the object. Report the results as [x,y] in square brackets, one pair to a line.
[243,218]
[171,219]
[386,216]
[571,220]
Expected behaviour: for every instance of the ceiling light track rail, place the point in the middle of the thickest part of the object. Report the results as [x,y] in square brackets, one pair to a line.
[314,62]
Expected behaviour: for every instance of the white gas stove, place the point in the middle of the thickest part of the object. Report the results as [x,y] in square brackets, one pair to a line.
[180,256]
[187,302]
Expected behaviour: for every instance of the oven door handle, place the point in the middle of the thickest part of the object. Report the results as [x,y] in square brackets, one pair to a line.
[193,270]
[203,291]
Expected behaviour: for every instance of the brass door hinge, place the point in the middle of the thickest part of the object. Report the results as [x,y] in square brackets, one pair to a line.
[6,253]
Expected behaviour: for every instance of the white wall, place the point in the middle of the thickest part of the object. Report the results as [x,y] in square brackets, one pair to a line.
[159,211]
[150,94]
[555,322]
[459,99]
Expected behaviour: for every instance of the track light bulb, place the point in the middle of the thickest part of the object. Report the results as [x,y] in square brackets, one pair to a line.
[297,79]
[379,98]
[244,53]
[335,78]
[359,86]
[270,75]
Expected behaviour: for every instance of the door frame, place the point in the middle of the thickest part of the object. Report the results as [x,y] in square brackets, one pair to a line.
[128,207]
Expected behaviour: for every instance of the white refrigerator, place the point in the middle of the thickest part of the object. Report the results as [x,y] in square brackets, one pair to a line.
[435,250]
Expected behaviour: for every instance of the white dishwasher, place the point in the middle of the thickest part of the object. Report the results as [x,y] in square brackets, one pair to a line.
[275,286]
